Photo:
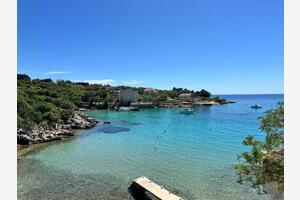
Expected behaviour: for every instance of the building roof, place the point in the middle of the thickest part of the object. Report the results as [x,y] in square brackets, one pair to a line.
[149,90]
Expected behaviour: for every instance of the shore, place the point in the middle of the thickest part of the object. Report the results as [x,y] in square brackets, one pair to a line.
[27,149]
[38,139]
[29,140]
[89,165]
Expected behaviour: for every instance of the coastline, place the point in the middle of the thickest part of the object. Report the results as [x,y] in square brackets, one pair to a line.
[30,140]
[23,150]
[30,148]
[27,149]
[100,152]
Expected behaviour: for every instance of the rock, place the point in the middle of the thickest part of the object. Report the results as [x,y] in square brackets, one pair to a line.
[24,139]
[58,138]
[67,132]
[38,140]
[50,136]
[55,131]
[81,121]
[66,127]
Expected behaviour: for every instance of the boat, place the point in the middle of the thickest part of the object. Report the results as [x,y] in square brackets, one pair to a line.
[130,108]
[256,106]
[122,108]
[186,111]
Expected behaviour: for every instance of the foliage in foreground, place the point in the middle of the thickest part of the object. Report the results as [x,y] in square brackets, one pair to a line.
[265,162]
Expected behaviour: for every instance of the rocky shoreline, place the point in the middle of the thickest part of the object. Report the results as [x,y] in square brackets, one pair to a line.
[56,131]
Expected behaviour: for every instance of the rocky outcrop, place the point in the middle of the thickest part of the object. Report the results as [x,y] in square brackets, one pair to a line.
[56,131]
[81,121]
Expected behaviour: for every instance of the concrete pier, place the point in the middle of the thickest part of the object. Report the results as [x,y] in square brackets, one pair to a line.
[143,184]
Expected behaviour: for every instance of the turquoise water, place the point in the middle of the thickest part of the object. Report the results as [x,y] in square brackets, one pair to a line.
[191,155]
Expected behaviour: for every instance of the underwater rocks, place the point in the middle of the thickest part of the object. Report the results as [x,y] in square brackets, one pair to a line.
[57,131]
[112,129]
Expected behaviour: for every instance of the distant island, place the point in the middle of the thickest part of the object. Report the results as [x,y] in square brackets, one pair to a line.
[50,110]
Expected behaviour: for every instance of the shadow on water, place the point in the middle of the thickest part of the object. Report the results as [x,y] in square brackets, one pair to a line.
[126,123]
[115,127]
[111,129]
[139,193]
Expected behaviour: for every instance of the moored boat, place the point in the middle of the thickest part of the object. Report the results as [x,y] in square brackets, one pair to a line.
[130,108]
[256,106]
[186,111]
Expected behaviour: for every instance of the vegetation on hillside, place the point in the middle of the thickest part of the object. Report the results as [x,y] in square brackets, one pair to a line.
[47,101]
[265,162]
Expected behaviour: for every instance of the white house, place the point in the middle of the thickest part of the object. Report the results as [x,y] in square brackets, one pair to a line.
[127,96]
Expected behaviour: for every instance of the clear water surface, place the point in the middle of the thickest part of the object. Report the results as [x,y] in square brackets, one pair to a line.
[191,155]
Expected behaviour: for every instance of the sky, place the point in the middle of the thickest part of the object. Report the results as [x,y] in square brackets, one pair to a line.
[223,46]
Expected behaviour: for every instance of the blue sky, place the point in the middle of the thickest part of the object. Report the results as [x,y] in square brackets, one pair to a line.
[224,46]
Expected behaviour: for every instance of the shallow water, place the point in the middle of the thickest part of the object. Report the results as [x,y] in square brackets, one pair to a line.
[191,155]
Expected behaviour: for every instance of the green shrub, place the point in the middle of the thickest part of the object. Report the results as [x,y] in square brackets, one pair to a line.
[45,101]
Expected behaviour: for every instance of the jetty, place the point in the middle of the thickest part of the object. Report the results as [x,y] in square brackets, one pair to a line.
[143,185]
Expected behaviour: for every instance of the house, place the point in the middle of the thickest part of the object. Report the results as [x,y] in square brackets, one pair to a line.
[149,90]
[187,97]
[127,96]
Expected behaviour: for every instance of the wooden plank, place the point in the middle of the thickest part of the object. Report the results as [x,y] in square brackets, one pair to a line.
[155,189]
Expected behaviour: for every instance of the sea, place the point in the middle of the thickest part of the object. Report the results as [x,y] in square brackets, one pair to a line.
[192,156]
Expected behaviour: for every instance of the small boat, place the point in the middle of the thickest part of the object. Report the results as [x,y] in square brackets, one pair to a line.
[186,111]
[122,108]
[256,106]
[130,108]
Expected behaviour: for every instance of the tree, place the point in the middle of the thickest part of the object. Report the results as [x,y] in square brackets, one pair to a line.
[23,77]
[203,93]
[44,101]
[265,162]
